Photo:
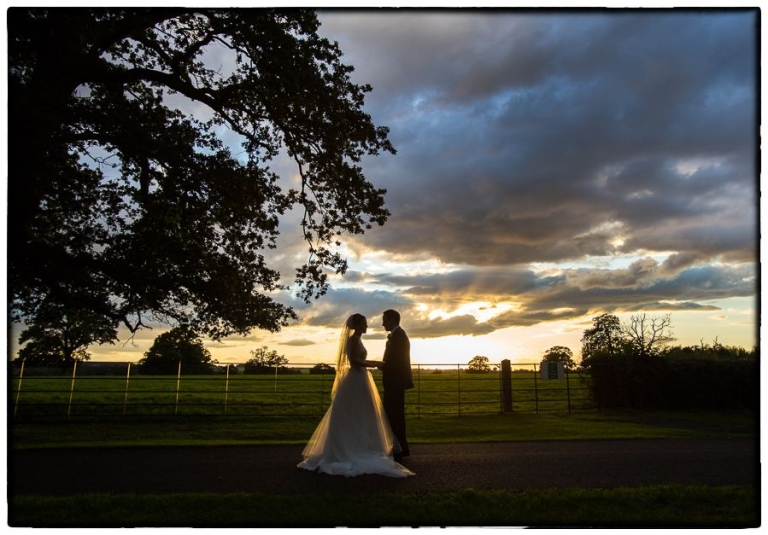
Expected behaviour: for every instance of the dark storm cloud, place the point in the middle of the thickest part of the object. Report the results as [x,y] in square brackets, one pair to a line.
[480,282]
[519,132]
[338,304]
[630,290]
[548,136]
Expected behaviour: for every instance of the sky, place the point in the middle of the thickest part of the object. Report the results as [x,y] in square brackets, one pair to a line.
[551,166]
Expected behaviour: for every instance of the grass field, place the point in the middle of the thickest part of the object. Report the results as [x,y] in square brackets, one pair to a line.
[435,392]
[445,407]
[657,506]
[215,430]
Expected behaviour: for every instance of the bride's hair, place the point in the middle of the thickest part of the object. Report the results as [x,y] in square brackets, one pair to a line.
[342,362]
[354,321]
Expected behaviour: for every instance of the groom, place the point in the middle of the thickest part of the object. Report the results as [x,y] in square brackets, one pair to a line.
[397,377]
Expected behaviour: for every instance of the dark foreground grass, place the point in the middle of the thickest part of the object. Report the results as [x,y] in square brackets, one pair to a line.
[212,431]
[655,506]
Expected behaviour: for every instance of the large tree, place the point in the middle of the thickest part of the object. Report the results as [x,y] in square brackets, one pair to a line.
[265,361]
[60,337]
[478,364]
[179,345]
[605,338]
[124,204]
[560,354]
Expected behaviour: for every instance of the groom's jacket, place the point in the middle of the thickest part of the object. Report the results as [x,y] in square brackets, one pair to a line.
[396,372]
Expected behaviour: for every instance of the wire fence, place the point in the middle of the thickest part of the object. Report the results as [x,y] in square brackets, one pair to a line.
[116,389]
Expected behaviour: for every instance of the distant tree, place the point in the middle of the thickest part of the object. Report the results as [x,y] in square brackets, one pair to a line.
[648,335]
[180,344]
[322,369]
[605,338]
[560,354]
[123,203]
[264,361]
[478,364]
[60,337]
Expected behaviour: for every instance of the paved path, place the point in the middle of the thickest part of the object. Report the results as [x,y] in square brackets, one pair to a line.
[438,467]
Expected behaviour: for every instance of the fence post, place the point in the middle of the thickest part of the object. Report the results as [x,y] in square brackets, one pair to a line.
[274,401]
[18,389]
[72,389]
[536,387]
[418,391]
[178,385]
[568,388]
[458,382]
[127,378]
[506,385]
[226,390]
[322,391]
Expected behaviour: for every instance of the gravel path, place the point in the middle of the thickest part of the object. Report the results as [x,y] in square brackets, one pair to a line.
[438,467]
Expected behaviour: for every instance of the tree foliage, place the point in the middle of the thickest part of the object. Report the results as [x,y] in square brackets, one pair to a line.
[560,354]
[322,369]
[60,337]
[631,366]
[125,205]
[179,345]
[264,360]
[605,338]
[478,364]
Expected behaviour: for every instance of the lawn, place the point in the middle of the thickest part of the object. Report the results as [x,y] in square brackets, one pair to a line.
[445,408]
[657,506]
[436,392]
[220,430]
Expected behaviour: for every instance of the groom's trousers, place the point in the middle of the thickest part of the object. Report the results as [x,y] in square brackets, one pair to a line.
[394,406]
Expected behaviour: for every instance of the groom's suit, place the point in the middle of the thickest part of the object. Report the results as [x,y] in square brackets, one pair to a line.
[397,378]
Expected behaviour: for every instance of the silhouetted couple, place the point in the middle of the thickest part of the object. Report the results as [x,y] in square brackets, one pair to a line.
[359,434]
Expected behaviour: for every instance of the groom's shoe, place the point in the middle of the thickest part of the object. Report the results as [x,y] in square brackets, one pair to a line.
[398,457]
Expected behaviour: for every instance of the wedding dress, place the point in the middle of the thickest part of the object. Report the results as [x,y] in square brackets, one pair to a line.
[354,436]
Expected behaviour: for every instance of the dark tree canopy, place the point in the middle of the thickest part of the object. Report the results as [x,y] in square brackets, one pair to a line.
[179,345]
[605,338]
[60,337]
[263,360]
[124,205]
[560,354]
[478,364]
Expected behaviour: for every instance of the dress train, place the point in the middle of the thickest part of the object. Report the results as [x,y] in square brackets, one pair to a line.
[354,436]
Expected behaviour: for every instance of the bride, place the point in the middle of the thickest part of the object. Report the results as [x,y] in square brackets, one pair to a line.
[354,436]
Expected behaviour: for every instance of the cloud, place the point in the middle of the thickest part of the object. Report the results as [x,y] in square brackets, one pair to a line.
[516,297]
[536,147]
[519,133]
[333,309]
[669,306]
[465,325]
[297,343]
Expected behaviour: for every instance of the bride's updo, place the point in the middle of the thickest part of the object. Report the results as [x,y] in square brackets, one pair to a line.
[354,321]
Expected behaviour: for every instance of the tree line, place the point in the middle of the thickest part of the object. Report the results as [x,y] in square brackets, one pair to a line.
[628,365]
[178,346]
[633,365]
